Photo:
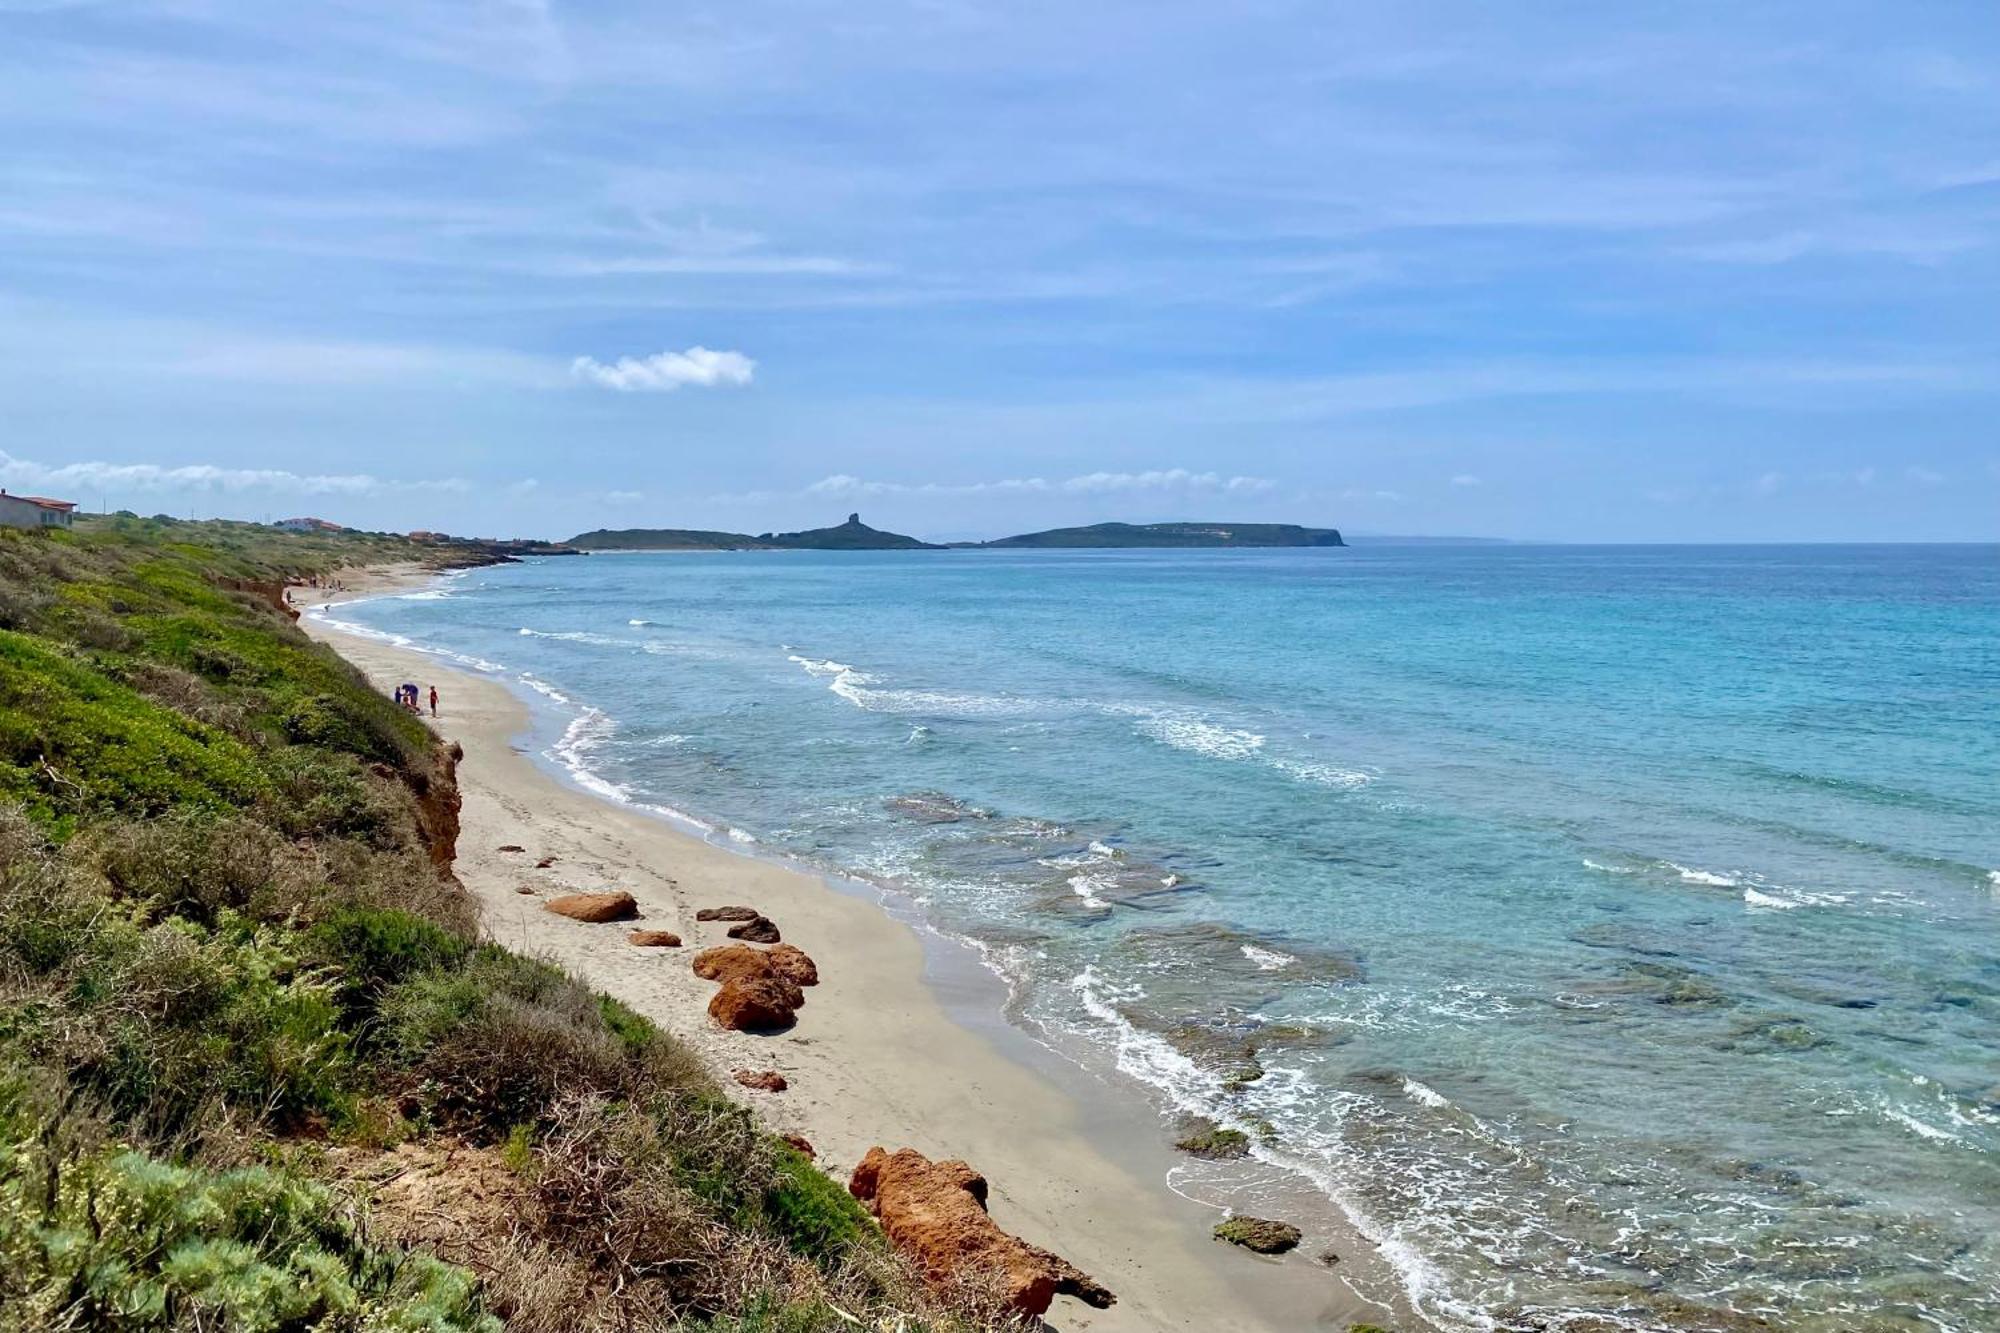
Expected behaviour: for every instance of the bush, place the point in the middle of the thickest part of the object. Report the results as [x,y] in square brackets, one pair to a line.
[376,948]
[813,1213]
[73,741]
[121,1240]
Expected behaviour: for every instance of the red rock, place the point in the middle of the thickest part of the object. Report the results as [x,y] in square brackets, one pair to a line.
[793,962]
[764,1080]
[755,996]
[655,939]
[545,863]
[524,889]
[761,931]
[512,847]
[594,907]
[727,914]
[760,1004]
[936,1213]
[799,1145]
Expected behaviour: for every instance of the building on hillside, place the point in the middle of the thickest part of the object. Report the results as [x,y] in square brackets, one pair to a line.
[35,511]
[307,525]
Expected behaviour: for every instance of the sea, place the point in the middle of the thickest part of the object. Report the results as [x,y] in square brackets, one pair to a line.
[1612,934]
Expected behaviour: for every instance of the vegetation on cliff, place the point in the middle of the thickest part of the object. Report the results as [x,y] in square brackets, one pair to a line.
[238,986]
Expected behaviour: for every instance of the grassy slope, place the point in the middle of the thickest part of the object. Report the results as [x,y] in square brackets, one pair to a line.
[228,958]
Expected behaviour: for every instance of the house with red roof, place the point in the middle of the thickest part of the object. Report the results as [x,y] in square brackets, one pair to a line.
[35,511]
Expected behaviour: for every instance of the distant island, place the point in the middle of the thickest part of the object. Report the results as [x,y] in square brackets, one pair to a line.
[854,535]
[1176,534]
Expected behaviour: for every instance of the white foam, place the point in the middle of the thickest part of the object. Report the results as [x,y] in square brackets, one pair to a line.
[1327,775]
[573,636]
[1691,875]
[1755,899]
[1204,738]
[1993,880]
[640,622]
[1267,960]
[1608,870]
[1919,1128]
[1429,1096]
[1086,886]
[404,641]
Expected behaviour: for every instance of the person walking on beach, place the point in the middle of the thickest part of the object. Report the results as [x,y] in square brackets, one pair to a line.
[434,701]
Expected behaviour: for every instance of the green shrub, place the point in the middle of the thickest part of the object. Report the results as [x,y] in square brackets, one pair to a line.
[813,1213]
[375,948]
[121,1240]
[72,741]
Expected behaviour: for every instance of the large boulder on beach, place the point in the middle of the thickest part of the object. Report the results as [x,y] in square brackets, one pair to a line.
[763,930]
[794,964]
[935,1212]
[727,914]
[754,996]
[1259,1234]
[655,939]
[595,907]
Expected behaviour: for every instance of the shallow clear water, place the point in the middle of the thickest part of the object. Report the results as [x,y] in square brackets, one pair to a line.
[1615,928]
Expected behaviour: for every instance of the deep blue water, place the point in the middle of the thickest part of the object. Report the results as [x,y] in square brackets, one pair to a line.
[1616,927]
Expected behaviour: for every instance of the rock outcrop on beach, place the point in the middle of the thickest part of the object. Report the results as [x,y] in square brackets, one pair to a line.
[1215,1143]
[1259,1234]
[654,939]
[727,914]
[754,996]
[760,930]
[763,1080]
[936,1213]
[595,907]
[799,1145]
[794,963]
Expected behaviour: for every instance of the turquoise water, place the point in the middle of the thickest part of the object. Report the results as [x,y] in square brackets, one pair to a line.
[1615,928]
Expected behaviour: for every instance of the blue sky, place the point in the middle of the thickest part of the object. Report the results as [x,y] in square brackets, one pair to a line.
[1558,270]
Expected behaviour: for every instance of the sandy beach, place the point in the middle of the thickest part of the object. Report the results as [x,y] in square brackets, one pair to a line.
[882,1053]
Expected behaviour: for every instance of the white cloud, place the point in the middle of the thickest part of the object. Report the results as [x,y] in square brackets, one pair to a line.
[665,372]
[1466,479]
[1767,484]
[1173,479]
[1159,481]
[525,486]
[149,477]
[624,497]
[1924,476]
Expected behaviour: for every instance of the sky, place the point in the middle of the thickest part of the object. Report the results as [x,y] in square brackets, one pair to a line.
[1551,271]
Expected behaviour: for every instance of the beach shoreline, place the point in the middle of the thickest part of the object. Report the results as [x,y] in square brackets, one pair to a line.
[904,1044]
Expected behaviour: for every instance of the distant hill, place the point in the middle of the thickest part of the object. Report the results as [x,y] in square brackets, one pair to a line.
[664,539]
[853,535]
[1177,534]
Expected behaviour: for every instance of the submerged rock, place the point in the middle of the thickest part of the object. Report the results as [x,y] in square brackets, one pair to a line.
[1215,1143]
[759,930]
[1259,1234]
[595,907]
[935,1212]
[727,914]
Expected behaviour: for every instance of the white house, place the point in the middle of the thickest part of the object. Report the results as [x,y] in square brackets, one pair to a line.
[34,511]
[307,525]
